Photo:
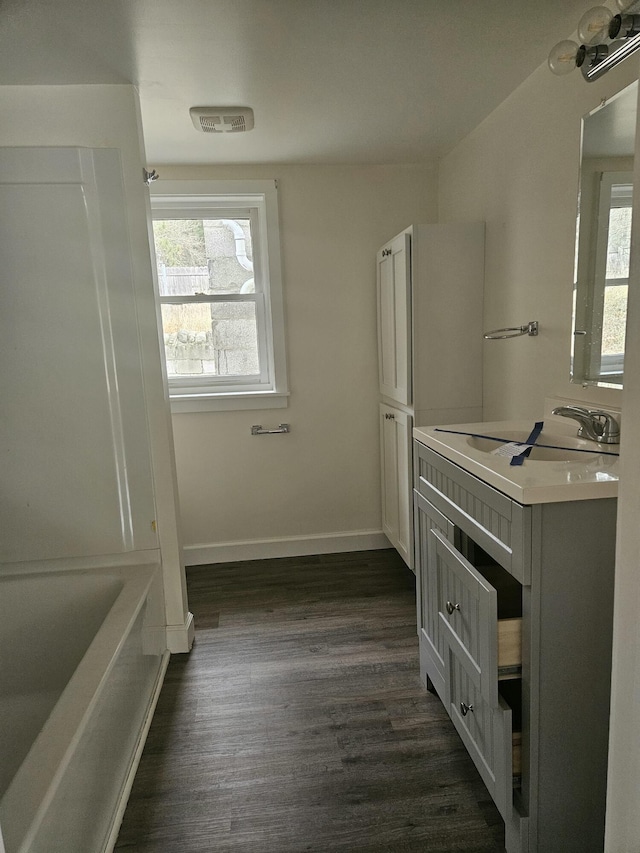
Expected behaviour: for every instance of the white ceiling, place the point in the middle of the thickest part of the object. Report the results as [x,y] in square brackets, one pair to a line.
[330,81]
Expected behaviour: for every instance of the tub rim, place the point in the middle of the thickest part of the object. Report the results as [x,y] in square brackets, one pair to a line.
[33,787]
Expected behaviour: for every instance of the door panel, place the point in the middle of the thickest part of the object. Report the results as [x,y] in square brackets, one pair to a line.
[395,443]
[76,472]
[394,319]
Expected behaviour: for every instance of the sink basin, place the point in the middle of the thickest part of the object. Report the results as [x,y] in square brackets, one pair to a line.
[561,448]
[551,473]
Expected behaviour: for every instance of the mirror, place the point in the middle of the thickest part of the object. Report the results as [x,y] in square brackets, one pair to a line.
[603,241]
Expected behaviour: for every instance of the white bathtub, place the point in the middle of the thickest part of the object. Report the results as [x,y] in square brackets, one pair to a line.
[82,656]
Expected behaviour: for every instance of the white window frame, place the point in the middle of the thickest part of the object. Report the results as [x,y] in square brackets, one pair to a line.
[616,190]
[258,201]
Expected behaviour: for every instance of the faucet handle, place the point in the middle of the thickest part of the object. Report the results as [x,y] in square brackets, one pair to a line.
[609,428]
[595,424]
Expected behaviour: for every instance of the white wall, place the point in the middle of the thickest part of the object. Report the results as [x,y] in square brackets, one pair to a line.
[322,480]
[519,171]
[623,815]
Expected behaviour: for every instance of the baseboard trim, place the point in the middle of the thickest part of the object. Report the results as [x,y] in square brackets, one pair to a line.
[291,546]
[180,637]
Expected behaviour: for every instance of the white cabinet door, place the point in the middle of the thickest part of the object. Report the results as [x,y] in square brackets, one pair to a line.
[395,444]
[74,443]
[394,319]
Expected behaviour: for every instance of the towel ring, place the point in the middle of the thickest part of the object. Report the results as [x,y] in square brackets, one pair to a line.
[530,329]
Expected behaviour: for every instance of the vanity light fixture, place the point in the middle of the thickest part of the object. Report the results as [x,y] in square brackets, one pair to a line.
[606,39]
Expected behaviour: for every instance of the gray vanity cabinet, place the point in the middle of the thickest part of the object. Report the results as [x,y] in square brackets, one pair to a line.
[427,520]
[515,608]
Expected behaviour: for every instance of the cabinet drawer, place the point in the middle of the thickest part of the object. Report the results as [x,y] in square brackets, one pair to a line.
[499,525]
[487,731]
[468,608]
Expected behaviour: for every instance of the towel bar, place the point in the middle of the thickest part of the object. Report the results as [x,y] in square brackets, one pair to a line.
[257,429]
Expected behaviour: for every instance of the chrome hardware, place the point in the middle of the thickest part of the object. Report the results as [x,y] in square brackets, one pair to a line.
[150,177]
[464,708]
[451,607]
[624,26]
[530,329]
[580,332]
[595,424]
[257,429]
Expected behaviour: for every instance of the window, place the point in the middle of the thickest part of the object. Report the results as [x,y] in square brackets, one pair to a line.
[219,278]
[613,244]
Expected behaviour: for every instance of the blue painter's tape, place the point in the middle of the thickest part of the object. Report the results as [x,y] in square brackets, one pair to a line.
[533,437]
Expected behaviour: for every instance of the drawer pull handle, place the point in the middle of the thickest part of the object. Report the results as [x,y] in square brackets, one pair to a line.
[464,708]
[451,607]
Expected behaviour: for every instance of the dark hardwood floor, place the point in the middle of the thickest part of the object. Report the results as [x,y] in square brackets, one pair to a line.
[299,723]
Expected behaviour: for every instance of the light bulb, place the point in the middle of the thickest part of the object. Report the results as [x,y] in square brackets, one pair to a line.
[593,27]
[562,58]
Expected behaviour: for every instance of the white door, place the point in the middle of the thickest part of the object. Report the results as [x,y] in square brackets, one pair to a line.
[395,444]
[394,319]
[76,471]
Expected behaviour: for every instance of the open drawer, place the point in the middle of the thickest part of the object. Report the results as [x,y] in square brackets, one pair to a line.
[471,602]
[490,733]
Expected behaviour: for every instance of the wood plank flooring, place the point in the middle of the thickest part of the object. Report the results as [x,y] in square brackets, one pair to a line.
[298,723]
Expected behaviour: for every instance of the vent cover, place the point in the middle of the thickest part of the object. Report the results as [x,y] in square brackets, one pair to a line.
[222,119]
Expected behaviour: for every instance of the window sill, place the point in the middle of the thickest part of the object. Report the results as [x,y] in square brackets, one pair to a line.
[228,402]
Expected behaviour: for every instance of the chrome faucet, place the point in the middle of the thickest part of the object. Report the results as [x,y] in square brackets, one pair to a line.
[595,424]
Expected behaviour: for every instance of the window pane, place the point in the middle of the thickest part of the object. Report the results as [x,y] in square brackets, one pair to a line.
[211,256]
[614,315]
[614,319]
[211,339]
[619,242]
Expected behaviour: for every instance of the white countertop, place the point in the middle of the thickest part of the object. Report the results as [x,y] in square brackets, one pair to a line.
[588,476]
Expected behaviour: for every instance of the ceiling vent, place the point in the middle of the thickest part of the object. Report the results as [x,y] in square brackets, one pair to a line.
[222,119]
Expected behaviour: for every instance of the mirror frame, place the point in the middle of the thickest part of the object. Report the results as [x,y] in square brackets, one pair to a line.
[612,124]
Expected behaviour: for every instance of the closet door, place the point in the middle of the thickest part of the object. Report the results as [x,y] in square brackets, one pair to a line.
[394,319]
[76,473]
[395,444]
